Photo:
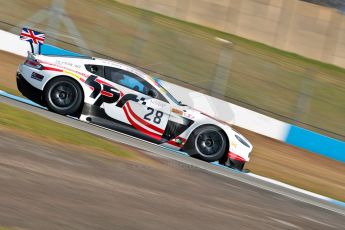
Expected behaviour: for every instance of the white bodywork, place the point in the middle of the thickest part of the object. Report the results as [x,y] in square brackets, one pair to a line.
[55,66]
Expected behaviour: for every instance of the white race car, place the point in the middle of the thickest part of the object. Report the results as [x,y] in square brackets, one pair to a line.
[123,98]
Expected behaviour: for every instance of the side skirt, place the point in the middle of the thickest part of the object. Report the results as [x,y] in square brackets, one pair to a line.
[97,115]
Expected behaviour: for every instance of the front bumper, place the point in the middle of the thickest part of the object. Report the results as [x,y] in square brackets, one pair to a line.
[234,161]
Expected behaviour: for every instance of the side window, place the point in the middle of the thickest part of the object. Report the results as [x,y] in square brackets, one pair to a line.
[126,79]
[95,69]
[130,81]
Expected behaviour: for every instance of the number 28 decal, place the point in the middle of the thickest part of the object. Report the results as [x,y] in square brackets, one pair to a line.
[157,117]
[110,95]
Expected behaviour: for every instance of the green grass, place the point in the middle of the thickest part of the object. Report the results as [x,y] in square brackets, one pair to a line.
[10,90]
[48,130]
[262,78]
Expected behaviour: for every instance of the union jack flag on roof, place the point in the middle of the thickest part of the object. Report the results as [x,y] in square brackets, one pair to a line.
[32,36]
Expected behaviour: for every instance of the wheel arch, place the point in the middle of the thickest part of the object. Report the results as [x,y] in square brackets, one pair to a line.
[74,80]
[220,129]
[67,76]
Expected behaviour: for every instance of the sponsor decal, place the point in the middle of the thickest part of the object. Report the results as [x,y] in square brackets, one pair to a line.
[37,76]
[126,98]
[158,103]
[189,116]
[108,93]
[233,144]
[177,141]
[65,63]
[177,111]
[76,74]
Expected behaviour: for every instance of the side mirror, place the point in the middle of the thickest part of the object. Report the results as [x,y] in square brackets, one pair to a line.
[152,93]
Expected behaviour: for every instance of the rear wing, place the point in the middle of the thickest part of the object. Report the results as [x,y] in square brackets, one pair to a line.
[35,38]
[31,56]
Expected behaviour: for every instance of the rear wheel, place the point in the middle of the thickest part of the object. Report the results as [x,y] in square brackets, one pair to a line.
[207,143]
[64,96]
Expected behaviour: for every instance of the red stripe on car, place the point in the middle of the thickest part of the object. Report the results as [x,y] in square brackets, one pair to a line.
[138,127]
[171,142]
[236,157]
[161,131]
[107,94]
[51,69]
[103,82]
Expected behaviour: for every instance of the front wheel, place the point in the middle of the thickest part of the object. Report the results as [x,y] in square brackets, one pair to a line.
[63,95]
[207,143]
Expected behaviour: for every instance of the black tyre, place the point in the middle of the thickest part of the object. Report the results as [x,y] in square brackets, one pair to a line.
[207,143]
[63,95]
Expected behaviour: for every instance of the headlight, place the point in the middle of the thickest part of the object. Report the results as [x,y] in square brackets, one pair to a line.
[240,139]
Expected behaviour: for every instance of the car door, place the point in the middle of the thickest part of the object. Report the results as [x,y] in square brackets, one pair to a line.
[140,105]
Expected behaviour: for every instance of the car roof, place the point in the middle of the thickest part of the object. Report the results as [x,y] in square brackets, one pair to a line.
[120,65]
[99,61]
[82,61]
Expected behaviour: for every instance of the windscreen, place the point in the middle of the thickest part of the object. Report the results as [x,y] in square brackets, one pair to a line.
[165,92]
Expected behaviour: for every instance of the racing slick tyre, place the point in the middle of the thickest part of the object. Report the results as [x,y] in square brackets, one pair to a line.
[207,143]
[63,95]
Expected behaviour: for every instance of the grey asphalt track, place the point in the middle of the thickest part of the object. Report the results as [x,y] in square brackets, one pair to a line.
[158,151]
[47,186]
